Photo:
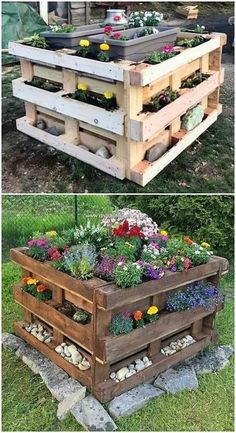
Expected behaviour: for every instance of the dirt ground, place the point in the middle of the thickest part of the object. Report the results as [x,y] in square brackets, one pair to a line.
[30,166]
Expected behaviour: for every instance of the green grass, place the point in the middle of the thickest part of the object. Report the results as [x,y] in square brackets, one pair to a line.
[28,406]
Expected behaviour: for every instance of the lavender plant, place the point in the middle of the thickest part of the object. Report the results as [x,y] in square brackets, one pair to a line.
[196,295]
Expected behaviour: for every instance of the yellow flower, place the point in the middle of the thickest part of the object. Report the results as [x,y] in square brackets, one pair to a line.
[84,43]
[152,310]
[104,47]
[51,234]
[205,245]
[108,95]
[129,245]
[32,281]
[163,233]
[82,86]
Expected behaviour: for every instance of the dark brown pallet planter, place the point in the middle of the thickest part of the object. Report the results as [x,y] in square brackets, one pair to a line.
[106,352]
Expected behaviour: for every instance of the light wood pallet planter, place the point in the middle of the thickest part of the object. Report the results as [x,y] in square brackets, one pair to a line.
[127,132]
[103,300]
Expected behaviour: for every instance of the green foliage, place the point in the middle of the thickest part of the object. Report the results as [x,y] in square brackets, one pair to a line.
[203,218]
[159,57]
[121,324]
[80,261]
[62,28]
[190,43]
[194,80]
[93,234]
[126,247]
[36,41]
[128,275]
[46,295]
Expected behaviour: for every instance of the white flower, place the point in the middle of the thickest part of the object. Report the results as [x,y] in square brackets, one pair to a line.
[197,252]
[125,268]
[203,27]
[120,264]
[138,266]
[201,248]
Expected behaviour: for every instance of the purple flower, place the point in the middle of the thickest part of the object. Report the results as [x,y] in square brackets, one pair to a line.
[31,243]
[164,238]
[154,274]
[173,268]
[126,314]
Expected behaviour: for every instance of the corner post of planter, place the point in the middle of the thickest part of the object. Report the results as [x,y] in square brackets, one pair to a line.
[215,60]
[101,321]
[129,151]
[70,81]
[27,72]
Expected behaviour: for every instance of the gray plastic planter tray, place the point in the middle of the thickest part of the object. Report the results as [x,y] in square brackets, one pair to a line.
[137,49]
[72,40]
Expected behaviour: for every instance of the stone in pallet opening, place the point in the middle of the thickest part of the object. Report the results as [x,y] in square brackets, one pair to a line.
[71,354]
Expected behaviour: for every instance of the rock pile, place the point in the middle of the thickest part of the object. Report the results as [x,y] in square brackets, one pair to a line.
[180,344]
[126,372]
[71,354]
[39,332]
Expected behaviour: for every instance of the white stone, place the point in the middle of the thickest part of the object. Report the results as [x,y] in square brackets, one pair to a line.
[131,367]
[103,152]
[63,344]
[76,358]
[67,353]
[145,359]
[130,373]
[62,354]
[59,349]
[148,363]
[113,375]
[40,337]
[122,373]
[139,367]
[72,349]
[137,361]
[40,328]
[84,365]
[67,358]
[48,340]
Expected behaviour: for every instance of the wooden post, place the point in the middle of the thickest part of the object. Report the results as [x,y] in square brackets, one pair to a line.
[43,10]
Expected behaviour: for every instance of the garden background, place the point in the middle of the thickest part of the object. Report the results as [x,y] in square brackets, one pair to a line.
[204,218]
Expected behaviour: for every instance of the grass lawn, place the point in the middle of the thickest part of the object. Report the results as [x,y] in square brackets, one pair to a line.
[28,405]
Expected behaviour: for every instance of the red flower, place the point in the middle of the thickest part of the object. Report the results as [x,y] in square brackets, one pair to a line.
[124,231]
[41,288]
[54,254]
[117,35]
[117,18]
[107,29]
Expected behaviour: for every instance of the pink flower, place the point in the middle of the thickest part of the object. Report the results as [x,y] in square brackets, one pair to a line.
[187,263]
[117,35]
[167,48]
[164,238]
[40,243]
[117,18]
[31,242]
[107,29]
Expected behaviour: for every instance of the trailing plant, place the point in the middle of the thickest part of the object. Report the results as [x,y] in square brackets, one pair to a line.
[196,295]
[35,41]
[36,289]
[194,80]
[121,324]
[80,261]
[128,274]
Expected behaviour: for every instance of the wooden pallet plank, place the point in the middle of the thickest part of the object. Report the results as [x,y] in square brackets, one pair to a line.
[143,75]
[111,346]
[47,73]
[112,166]
[100,69]
[113,121]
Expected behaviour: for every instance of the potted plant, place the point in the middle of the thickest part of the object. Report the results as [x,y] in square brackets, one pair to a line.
[69,36]
[136,43]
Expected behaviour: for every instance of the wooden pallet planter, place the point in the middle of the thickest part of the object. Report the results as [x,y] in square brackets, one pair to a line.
[126,132]
[106,352]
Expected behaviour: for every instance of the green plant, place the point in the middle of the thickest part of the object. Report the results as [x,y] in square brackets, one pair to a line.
[194,80]
[121,324]
[34,288]
[93,234]
[125,247]
[158,57]
[128,274]
[81,316]
[62,28]
[190,43]
[80,261]
[160,101]
[151,314]
[36,41]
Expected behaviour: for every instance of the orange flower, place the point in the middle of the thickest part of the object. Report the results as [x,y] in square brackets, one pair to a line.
[25,279]
[41,288]
[138,315]
[187,240]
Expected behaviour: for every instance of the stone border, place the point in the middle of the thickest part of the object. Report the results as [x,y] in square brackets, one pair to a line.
[88,411]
